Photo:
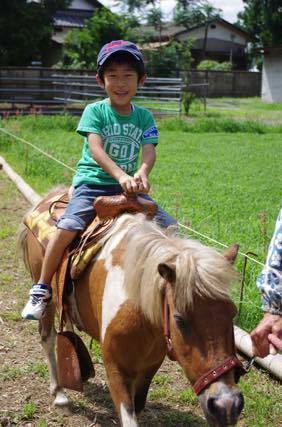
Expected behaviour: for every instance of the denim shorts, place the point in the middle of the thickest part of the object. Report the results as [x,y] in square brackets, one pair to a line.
[80,211]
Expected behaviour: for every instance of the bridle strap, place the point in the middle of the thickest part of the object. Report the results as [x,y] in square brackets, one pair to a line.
[170,350]
[208,378]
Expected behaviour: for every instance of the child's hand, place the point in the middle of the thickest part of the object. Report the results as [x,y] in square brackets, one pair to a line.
[128,184]
[142,182]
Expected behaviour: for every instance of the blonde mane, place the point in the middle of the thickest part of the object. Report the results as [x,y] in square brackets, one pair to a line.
[199,269]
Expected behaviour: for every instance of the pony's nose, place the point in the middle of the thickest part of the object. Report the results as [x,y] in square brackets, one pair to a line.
[226,409]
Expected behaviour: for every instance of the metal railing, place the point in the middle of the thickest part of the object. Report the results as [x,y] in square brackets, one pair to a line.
[55,91]
[161,95]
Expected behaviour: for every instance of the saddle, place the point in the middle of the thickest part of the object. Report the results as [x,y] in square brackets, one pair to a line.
[108,209]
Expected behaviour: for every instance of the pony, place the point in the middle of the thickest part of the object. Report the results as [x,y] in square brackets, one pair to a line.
[149,292]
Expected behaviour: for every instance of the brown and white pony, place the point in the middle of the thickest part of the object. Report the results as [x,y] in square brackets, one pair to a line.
[120,299]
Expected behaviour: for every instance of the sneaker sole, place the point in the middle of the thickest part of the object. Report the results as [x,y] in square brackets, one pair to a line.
[29,317]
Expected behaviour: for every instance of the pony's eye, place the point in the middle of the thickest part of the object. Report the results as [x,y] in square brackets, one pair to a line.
[181,323]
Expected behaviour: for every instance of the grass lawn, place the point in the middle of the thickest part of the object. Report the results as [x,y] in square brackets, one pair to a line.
[226,185]
[240,108]
[24,381]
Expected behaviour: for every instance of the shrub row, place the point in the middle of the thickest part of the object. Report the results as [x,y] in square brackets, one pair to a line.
[200,125]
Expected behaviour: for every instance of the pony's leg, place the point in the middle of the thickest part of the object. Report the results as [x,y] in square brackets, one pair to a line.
[142,387]
[48,338]
[122,392]
[34,255]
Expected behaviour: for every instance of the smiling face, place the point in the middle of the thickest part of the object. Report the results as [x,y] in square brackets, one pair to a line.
[120,81]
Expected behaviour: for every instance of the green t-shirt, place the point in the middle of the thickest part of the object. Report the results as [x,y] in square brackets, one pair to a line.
[122,135]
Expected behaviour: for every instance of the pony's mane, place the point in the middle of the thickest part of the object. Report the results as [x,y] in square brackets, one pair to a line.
[199,269]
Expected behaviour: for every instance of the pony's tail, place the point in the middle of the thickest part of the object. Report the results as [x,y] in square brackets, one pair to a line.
[22,247]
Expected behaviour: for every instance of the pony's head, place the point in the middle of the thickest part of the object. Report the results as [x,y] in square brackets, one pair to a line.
[194,280]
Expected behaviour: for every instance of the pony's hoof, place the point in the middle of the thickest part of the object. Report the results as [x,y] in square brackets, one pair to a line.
[61,400]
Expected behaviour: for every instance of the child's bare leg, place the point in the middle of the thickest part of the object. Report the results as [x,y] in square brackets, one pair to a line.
[40,293]
[54,253]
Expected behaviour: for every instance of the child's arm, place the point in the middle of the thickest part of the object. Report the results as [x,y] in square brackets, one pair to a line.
[147,163]
[126,181]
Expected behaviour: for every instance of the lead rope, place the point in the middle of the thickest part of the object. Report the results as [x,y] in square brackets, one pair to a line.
[249,364]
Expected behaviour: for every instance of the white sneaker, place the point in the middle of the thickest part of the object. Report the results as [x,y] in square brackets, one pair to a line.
[39,296]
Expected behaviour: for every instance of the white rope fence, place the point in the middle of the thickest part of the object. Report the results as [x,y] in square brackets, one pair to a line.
[72,169]
[218,243]
[37,148]
[242,338]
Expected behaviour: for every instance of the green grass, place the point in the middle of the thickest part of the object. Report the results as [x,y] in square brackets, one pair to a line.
[15,316]
[181,419]
[28,410]
[39,369]
[95,351]
[259,402]
[161,380]
[239,109]
[10,373]
[221,177]
[188,396]
[178,407]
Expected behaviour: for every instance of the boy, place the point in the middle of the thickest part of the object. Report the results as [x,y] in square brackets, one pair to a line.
[114,131]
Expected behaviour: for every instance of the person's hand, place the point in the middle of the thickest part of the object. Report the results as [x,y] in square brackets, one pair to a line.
[128,184]
[142,182]
[266,337]
[275,341]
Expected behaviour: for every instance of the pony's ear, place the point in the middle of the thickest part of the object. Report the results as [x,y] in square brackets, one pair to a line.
[167,272]
[231,253]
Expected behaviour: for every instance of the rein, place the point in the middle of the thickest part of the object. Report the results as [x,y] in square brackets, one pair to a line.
[209,377]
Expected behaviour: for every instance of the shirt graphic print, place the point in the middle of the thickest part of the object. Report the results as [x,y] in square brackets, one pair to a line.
[122,136]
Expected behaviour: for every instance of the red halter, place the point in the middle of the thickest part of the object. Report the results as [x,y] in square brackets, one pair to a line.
[208,378]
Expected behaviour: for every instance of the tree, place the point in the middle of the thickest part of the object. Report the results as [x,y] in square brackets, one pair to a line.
[194,12]
[82,46]
[167,61]
[131,5]
[26,29]
[263,19]
[190,13]
[209,64]
[155,18]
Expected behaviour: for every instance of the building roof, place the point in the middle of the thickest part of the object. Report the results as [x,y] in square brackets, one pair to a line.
[225,23]
[72,18]
[170,30]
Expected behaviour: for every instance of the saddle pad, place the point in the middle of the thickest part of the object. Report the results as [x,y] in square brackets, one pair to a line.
[39,221]
[79,261]
[43,226]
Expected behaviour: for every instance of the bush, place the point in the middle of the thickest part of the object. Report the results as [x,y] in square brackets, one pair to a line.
[188,98]
[207,125]
[214,65]
[166,61]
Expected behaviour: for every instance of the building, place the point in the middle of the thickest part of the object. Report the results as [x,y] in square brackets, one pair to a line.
[65,20]
[217,40]
[271,90]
